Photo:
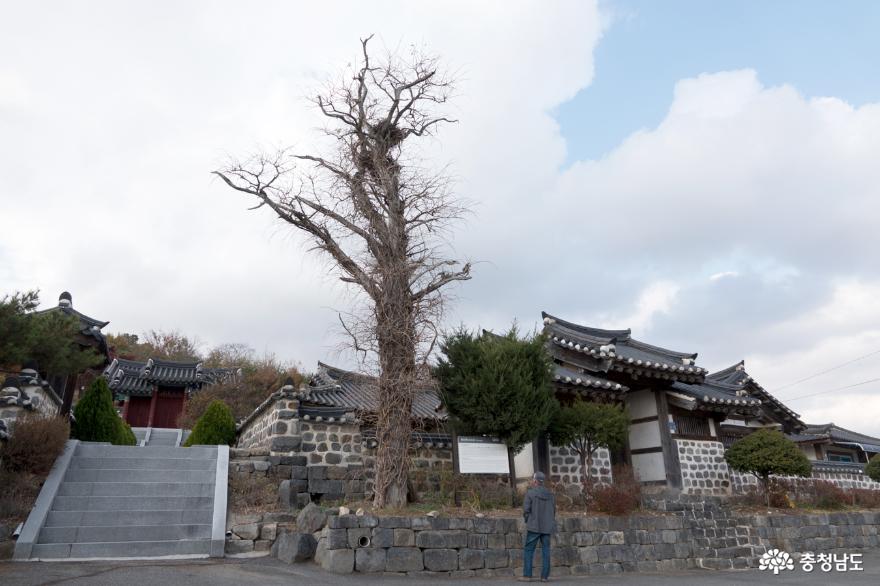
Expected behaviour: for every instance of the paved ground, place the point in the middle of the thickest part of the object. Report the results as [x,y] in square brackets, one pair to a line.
[266,571]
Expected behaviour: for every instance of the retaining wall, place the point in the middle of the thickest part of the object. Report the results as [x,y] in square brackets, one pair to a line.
[699,534]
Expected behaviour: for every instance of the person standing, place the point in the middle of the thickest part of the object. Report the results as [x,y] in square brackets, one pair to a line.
[539,511]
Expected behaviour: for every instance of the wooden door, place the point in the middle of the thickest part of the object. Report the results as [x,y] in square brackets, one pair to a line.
[169,406]
[138,413]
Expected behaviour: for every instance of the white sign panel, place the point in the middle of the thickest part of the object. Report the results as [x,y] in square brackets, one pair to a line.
[482,455]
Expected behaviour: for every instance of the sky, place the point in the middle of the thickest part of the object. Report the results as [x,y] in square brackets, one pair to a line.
[703,173]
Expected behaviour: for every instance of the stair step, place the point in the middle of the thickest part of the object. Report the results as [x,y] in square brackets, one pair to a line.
[133,517]
[95,450]
[155,489]
[126,503]
[140,475]
[122,549]
[144,463]
[103,534]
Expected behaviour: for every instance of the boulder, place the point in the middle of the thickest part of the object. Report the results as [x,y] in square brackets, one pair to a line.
[369,560]
[294,547]
[311,518]
[404,559]
[338,561]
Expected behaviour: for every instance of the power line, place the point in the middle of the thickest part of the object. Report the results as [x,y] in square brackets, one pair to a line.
[806,378]
[873,380]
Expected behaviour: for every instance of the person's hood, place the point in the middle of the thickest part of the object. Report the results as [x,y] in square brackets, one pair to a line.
[542,493]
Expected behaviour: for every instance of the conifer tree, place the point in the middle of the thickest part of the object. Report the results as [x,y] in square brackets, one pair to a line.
[95,419]
[767,452]
[497,386]
[215,427]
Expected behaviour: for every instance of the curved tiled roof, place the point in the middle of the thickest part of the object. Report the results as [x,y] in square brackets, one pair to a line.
[589,382]
[132,377]
[736,376]
[335,387]
[621,352]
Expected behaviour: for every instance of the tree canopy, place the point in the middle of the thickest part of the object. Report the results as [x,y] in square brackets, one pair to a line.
[873,468]
[47,338]
[497,385]
[767,452]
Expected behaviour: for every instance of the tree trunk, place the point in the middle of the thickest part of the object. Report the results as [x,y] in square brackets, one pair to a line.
[512,477]
[397,382]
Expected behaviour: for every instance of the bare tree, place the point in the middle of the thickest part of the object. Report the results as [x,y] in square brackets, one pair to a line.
[377,215]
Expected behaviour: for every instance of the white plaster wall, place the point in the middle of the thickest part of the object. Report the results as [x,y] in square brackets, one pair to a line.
[649,467]
[644,435]
[809,450]
[524,462]
[641,404]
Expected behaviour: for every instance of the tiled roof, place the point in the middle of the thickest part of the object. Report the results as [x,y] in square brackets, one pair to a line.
[717,396]
[131,377]
[88,326]
[617,350]
[737,376]
[840,435]
[586,384]
[335,387]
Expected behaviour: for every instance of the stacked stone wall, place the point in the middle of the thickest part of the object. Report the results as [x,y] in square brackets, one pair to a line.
[703,467]
[696,533]
[565,466]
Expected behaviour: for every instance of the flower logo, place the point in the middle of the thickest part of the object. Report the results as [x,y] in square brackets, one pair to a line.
[776,560]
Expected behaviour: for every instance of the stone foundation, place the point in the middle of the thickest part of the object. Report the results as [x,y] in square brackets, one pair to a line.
[703,467]
[255,534]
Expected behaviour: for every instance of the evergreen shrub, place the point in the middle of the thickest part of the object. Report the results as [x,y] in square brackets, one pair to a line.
[96,420]
[215,427]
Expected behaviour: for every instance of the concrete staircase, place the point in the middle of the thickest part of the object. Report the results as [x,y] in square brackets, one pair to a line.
[157,436]
[109,501]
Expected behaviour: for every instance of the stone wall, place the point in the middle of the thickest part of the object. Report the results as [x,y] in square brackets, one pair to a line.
[565,465]
[695,533]
[327,442]
[30,398]
[703,467]
[255,533]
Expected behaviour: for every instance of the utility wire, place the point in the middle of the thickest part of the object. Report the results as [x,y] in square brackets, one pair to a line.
[873,380]
[827,370]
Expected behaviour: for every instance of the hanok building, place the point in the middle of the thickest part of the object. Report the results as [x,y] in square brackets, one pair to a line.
[90,335]
[676,408]
[832,444]
[155,391]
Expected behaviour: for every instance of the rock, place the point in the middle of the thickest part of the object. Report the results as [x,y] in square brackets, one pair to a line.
[294,547]
[404,559]
[471,559]
[432,514]
[442,539]
[359,512]
[239,546]
[369,560]
[338,561]
[249,531]
[311,519]
[441,560]
[261,466]
[344,511]
[480,515]
[404,538]
[269,531]
[286,444]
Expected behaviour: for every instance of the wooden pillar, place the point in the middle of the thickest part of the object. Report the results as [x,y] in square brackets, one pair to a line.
[670,449]
[153,401]
[456,497]
[125,408]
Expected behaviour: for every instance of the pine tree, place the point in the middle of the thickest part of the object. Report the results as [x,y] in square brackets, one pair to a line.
[215,427]
[497,386]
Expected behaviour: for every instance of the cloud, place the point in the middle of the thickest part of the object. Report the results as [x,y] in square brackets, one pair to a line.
[742,225]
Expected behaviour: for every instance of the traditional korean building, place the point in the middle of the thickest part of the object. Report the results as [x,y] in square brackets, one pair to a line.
[680,414]
[829,443]
[155,391]
[89,336]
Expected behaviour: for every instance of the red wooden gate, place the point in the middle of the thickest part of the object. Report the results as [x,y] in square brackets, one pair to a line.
[138,412]
[169,406]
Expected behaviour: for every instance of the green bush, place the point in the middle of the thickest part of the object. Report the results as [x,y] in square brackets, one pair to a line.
[96,419]
[767,452]
[215,427]
[873,468]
